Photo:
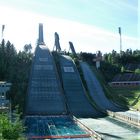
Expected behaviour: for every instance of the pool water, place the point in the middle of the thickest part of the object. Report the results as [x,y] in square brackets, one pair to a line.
[53,126]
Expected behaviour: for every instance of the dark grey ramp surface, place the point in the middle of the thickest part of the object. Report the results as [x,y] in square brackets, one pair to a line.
[44,94]
[75,94]
[96,90]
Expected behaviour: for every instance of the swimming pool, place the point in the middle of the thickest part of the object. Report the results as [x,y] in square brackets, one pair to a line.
[54,127]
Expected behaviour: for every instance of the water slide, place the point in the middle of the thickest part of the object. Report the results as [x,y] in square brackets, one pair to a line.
[74,91]
[96,90]
[45,96]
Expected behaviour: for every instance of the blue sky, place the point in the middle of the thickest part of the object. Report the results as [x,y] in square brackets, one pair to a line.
[105,15]
[108,14]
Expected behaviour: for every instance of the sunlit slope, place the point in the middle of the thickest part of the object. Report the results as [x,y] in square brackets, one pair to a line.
[75,94]
[44,93]
[96,90]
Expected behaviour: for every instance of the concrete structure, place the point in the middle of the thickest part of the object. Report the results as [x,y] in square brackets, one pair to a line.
[47,106]
[72,48]
[126,80]
[96,91]
[75,93]
[131,117]
[125,83]
[45,96]
[98,96]
[57,44]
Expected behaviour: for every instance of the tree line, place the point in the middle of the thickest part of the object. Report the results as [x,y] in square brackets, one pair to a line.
[15,68]
[113,63]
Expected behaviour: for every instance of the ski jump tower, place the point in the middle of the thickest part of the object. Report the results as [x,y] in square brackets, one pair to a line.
[45,96]
[56,43]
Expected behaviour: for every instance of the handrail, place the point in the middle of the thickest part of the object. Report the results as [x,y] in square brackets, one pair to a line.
[60,137]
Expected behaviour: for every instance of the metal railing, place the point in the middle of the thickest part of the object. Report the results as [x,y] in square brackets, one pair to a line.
[93,134]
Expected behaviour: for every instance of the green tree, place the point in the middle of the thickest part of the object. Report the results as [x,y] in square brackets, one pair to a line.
[28,48]
[15,68]
[110,58]
[11,129]
[122,69]
[89,57]
[137,71]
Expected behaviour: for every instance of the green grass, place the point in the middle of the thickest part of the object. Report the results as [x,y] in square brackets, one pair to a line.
[127,97]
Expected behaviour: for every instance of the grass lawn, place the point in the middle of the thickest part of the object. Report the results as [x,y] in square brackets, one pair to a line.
[125,96]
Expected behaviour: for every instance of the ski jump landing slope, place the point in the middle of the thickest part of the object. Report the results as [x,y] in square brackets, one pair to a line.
[77,100]
[96,90]
[45,95]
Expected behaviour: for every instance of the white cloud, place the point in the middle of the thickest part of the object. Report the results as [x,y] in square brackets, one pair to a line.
[22,28]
